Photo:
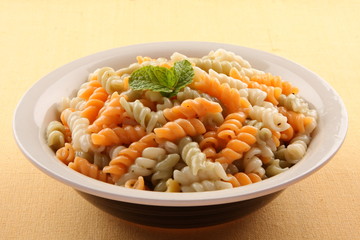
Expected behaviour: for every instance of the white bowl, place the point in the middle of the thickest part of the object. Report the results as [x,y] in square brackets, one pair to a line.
[38,107]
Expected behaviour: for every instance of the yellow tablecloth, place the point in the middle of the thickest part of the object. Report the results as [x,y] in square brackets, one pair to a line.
[38,36]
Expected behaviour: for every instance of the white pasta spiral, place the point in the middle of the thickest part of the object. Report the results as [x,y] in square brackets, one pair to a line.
[223,55]
[274,168]
[257,97]
[188,93]
[76,103]
[296,150]
[297,104]
[163,171]
[213,171]
[191,154]
[252,163]
[162,102]
[270,117]
[143,115]
[234,83]
[78,125]
[218,66]
[110,80]
[55,135]
[144,165]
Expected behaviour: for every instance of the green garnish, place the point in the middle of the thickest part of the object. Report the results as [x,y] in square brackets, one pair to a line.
[161,79]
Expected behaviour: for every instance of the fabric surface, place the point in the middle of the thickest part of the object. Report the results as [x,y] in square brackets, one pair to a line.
[37,37]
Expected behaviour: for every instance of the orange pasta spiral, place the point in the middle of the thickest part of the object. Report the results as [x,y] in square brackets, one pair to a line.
[180,128]
[211,143]
[192,108]
[119,165]
[82,165]
[273,93]
[94,104]
[275,81]
[241,179]
[298,121]
[231,126]
[230,97]
[118,135]
[287,135]
[109,116]
[66,154]
[236,147]
[89,89]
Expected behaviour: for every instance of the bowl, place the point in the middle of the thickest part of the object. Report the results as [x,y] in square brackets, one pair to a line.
[176,210]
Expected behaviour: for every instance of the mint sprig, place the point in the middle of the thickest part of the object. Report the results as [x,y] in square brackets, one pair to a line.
[161,79]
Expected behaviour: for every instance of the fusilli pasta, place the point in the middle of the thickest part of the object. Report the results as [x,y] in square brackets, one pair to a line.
[189,124]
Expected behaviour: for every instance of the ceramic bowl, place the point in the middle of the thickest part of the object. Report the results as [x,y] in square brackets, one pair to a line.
[176,210]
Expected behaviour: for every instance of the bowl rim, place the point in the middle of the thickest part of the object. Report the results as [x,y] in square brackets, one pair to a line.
[113,192]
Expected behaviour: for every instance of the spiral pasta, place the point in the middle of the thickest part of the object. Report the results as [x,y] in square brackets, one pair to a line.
[188,93]
[143,115]
[275,81]
[78,125]
[295,103]
[223,55]
[118,135]
[109,116]
[197,107]
[55,135]
[119,165]
[66,154]
[83,166]
[242,179]
[212,172]
[274,168]
[180,128]
[109,79]
[76,103]
[144,165]
[191,154]
[231,126]
[236,147]
[94,104]
[163,171]
[271,118]
[273,93]
[188,124]
[229,96]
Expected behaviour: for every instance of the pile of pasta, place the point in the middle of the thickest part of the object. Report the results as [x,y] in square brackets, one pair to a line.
[233,125]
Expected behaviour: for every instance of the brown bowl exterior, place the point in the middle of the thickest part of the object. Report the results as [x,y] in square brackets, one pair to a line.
[179,217]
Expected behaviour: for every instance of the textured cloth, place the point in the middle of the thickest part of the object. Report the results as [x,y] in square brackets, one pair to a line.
[38,36]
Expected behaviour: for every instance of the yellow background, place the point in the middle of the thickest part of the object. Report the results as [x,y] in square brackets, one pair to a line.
[38,36]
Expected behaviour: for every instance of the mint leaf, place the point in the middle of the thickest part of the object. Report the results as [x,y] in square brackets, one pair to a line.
[184,73]
[152,78]
[160,79]
[165,76]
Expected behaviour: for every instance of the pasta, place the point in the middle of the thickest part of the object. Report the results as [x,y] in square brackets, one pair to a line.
[91,170]
[144,165]
[187,124]
[198,107]
[143,115]
[55,135]
[163,171]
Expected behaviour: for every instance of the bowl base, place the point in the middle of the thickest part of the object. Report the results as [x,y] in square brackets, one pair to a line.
[179,217]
